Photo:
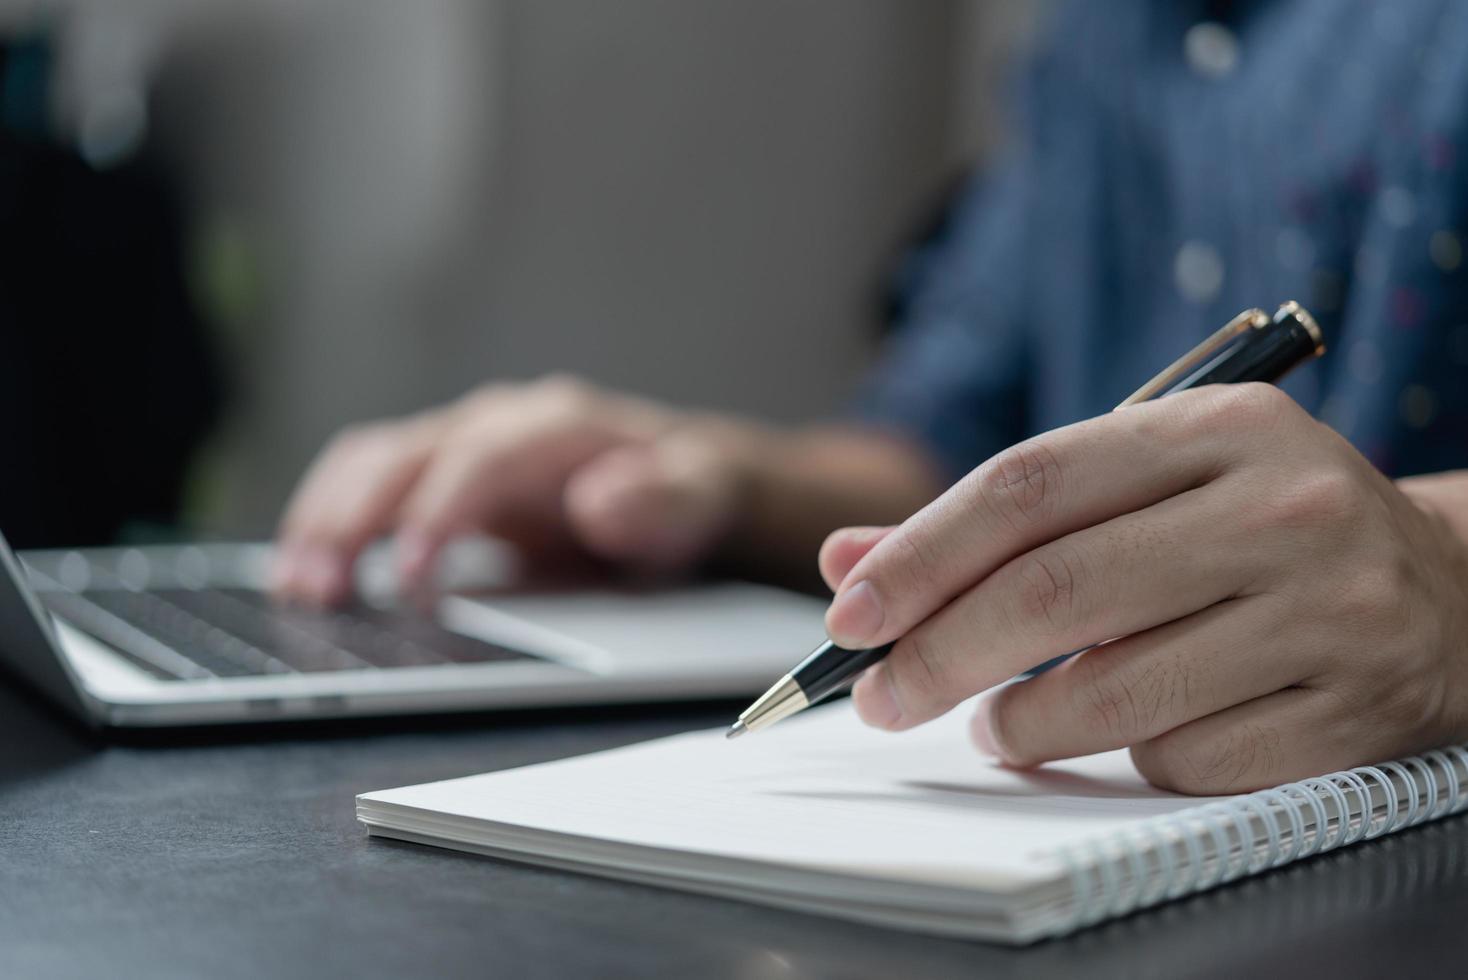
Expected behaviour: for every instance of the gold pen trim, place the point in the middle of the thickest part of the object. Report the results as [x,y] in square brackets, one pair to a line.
[1254,319]
[780,701]
[1305,320]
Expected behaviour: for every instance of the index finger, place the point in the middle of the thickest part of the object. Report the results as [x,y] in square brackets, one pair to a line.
[1039,490]
[346,498]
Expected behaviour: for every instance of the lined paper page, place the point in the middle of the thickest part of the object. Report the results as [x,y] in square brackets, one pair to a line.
[820,791]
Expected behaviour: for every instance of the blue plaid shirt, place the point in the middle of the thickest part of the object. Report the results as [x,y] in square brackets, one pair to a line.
[1174,162]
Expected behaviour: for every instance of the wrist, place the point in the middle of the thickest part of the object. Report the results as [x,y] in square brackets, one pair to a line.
[1443,496]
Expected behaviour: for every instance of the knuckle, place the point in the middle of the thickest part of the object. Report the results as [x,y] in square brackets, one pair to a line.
[926,680]
[353,438]
[564,390]
[1239,760]
[1128,704]
[1414,704]
[1335,492]
[1330,498]
[558,400]
[919,558]
[1046,592]
[1023,483]
[364,444]
[472,430]
[1393,692]
[1253,405]
[1104,702]
[1376,602]
[487,395]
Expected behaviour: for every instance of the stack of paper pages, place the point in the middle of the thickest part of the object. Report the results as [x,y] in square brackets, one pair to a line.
[914,830]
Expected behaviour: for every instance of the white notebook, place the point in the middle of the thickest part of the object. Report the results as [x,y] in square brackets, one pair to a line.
[914,830]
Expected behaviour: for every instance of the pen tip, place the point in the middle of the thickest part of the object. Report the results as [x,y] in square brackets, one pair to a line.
[735,730]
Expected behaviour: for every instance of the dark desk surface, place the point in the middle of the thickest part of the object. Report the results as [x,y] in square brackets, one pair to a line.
[242,858]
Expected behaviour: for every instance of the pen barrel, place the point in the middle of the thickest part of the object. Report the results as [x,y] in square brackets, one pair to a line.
[831,668]
[1268,354]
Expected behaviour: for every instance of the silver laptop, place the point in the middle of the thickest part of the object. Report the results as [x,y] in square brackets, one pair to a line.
[146,637]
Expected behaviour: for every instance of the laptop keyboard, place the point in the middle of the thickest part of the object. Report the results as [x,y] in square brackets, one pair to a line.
[226,632]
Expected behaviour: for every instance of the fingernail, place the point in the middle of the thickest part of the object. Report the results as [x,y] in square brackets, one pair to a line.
[981,729]
[876,699]
[855,616]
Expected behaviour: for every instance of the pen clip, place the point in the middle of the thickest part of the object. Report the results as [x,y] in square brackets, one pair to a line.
[1254,319]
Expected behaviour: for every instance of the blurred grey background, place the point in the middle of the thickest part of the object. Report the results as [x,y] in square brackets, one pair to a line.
[389,201]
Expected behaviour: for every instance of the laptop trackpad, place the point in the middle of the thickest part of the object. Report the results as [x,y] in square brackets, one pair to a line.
[693,627]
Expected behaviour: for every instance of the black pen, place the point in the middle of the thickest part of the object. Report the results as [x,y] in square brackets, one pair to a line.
[1251,347]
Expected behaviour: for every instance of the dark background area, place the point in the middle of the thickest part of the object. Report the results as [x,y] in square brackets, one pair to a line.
[231,227]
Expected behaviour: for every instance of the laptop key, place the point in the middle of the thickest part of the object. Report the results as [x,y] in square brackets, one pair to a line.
[380,637]
[241,632]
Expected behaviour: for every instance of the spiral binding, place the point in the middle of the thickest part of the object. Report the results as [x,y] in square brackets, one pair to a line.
[1176,854]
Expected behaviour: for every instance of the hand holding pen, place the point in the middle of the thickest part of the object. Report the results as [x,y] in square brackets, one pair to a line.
[1259,602]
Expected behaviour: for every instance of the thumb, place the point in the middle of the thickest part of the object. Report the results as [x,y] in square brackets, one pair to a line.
[661,507]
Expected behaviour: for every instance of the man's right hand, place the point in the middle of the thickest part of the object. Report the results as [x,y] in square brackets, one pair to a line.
[553,466]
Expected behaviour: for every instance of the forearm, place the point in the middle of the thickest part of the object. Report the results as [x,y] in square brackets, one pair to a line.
[797,486]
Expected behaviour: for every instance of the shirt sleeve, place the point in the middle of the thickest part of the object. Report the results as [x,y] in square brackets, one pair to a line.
[952,375]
